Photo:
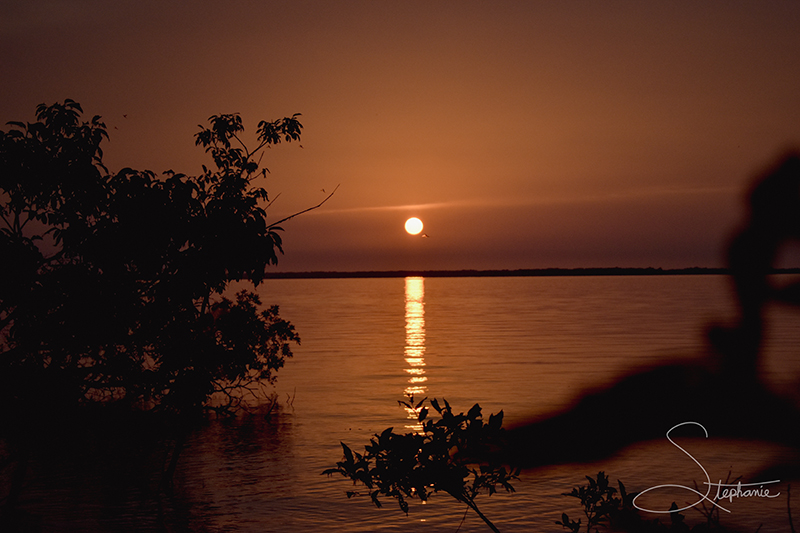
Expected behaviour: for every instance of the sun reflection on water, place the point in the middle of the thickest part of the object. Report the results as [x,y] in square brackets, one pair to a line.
[414,351]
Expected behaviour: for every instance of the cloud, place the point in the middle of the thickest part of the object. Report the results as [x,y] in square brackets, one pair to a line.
[625,196]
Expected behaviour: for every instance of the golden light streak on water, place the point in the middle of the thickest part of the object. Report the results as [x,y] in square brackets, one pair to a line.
[414,352]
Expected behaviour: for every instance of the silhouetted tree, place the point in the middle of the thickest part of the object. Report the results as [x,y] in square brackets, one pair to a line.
[111,288]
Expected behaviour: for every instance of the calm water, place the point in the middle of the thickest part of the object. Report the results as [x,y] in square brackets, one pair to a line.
[527,346]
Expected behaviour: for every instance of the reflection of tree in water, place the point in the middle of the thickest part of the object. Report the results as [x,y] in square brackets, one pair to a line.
[723,390]
[233,459]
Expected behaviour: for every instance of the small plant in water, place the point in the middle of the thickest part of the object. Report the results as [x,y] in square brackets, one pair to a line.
[603,508]
[449,454]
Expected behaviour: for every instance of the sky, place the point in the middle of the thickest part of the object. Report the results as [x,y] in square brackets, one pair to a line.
[523,134]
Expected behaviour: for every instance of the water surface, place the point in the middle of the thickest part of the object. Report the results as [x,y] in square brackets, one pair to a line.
[526,345]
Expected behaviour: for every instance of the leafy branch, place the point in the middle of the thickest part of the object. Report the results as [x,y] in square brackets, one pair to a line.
[447,455]
[599,503]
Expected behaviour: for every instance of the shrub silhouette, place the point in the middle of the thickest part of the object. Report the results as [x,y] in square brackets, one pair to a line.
[111,288]
[448,455]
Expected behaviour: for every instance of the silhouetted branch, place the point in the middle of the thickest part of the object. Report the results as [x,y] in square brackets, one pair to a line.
[272,202]
[443,456]
[304,210]
[247,153]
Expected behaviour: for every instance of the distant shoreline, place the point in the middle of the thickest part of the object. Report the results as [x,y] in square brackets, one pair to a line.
[614,271]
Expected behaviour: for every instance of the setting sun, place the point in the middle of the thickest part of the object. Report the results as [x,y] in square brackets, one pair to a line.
[413,226]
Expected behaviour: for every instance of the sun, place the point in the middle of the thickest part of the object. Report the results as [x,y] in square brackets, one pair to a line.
[413,226]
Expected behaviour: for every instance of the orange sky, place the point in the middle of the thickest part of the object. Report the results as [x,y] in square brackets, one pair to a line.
[524,134]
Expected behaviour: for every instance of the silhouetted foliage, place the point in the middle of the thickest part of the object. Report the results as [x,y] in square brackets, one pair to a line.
[606,508]
[598,500]
[448,455]
[112,283]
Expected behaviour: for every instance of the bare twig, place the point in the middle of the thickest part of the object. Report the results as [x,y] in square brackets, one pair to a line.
[271,408]
[272,202]
[463,518]
[304,210]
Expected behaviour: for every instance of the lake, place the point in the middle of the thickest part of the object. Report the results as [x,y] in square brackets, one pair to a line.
[524,345]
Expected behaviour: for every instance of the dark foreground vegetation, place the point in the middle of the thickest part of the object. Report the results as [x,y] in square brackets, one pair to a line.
[603,506]
[112,288]
[450,455]
[463,456]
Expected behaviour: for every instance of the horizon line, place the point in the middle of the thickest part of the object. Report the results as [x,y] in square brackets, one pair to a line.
[522,272]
